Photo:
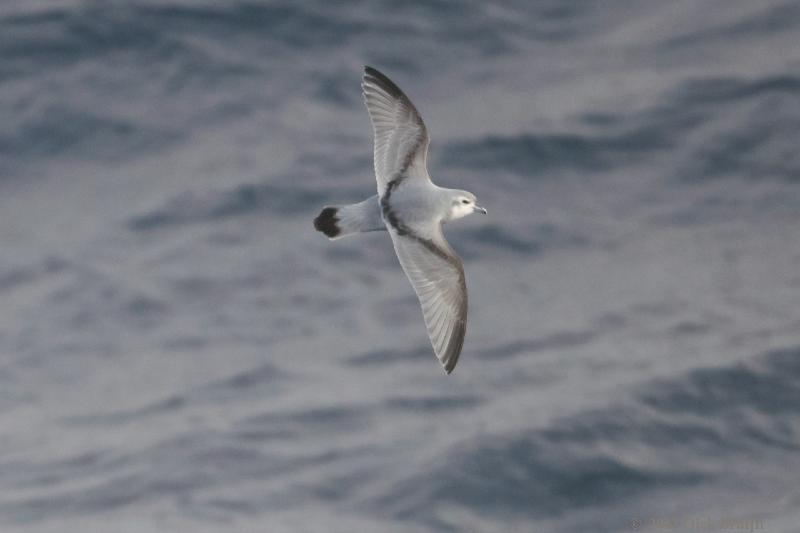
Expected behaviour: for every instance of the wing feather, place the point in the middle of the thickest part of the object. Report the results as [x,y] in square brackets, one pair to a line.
[437,275]
[400,136]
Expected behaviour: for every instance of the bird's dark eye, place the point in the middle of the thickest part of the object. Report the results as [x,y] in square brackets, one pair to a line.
[464,201]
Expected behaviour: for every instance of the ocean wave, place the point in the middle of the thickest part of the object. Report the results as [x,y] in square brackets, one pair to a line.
[556,341]
[383,357]
[531,241]
[179,346]
[433,404]
[748,130]
[192,208]
[772,17]
[16,276]
[768,385]
[739,128]
[530,154]
[62,129]
[618,452]
[264,380]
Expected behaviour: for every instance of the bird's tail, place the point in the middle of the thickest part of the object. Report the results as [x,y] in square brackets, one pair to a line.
[340,221]
[328,223]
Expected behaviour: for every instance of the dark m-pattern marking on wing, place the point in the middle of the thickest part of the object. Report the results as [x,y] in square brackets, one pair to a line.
[401,137]
[403,230]
[389,86]
[388,213]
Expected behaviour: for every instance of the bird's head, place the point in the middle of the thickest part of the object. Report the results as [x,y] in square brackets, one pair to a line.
[463,204]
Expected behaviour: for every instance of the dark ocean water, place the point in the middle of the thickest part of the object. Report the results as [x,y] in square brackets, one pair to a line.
[181,351]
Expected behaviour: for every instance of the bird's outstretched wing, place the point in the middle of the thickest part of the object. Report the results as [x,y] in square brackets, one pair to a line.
[401,139]
[437,275]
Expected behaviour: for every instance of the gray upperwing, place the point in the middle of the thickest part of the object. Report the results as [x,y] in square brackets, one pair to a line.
[437,276]
[400,136]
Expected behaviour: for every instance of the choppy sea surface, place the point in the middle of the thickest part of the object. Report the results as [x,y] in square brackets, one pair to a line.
[181,351]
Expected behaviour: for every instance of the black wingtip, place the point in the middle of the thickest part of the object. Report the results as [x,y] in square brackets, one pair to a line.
[454,350]
[383,81]
[326,222]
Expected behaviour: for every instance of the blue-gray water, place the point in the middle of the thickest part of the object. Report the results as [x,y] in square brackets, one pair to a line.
[181,351]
